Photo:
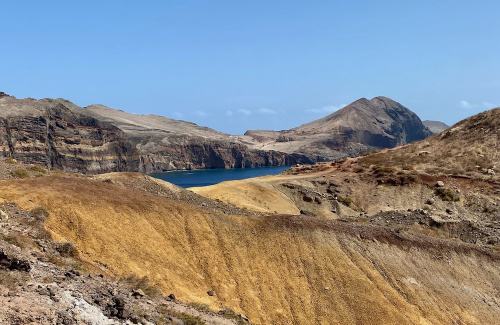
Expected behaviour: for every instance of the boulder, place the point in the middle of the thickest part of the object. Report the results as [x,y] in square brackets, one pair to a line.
[13,264]
[3,216]
[138,293]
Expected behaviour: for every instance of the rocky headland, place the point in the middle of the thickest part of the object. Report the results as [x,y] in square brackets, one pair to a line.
[96,139]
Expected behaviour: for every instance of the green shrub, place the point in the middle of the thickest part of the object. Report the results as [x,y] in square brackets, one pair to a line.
[20,173]
[67,250]
[38,169]
[446,194]
[347,201]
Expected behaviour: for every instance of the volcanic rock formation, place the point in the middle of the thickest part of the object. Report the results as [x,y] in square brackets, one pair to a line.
[362,126]
[47,132]
[58,134]
[98,139]
[435,126]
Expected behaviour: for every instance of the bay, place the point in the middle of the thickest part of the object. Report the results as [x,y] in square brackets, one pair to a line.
[205,177]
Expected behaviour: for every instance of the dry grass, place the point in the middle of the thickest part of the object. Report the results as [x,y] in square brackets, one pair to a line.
[199,306]
[67,249]
[232,315]
[17,239]
[13,280]
[468,148]
[38,216]
[143,283]
[188,319]
[21,173]
[11,161]
[272,269]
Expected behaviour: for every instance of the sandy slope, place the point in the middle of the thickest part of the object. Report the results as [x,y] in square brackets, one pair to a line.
[275,269]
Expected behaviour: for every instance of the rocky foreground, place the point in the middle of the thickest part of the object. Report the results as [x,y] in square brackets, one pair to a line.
[43,281]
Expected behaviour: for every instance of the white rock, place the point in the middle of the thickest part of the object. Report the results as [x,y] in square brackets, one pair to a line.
[90,313]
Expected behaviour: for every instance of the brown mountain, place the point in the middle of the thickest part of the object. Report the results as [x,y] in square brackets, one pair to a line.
[363,125]
[97,139]
[409,235]
[47,132]
[435,126]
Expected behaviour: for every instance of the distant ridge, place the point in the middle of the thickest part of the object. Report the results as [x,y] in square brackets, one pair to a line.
[435,126]
[361,126]
[96,139]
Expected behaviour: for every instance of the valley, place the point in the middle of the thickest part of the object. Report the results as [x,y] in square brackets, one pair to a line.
[404,235]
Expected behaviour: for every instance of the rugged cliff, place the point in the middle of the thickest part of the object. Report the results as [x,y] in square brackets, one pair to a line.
[202,154]
[60,135]
[46,132]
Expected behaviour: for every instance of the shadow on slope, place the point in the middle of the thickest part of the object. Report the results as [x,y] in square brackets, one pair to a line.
[275,269]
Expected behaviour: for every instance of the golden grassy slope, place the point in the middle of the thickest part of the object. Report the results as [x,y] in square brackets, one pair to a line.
[258,194]
[276,269]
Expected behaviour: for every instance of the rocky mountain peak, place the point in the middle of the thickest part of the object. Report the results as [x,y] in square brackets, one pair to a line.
[379,122]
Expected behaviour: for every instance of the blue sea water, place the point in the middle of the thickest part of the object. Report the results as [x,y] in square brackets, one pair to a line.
[205,177]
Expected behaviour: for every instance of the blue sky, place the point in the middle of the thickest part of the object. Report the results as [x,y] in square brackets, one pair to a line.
[238,65]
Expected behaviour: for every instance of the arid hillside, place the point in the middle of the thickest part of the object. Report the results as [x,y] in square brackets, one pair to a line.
[273,268]
[60,135]
[435,126]
[392,237]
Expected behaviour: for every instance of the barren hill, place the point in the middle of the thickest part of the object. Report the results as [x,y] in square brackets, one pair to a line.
[98,139]
[393,237]
[274,269]
[362,126]
[435,126]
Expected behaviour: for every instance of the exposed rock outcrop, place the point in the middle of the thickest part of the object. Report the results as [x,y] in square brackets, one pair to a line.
[46,132]
[97,139]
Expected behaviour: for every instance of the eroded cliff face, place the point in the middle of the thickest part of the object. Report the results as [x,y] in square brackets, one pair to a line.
[53,136]
[60,135]
[98,139]
[207,155]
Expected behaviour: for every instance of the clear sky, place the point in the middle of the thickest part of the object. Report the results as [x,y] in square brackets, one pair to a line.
[238,65]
